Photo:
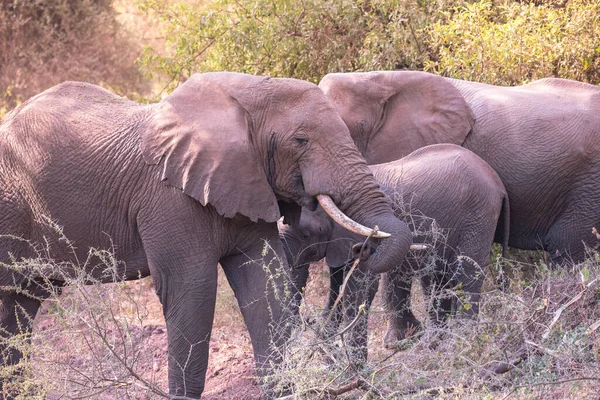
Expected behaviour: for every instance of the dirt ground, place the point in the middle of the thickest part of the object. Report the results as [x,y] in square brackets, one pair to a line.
[230,372]
[80,347]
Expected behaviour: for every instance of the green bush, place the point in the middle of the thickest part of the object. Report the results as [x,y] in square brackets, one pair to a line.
[287,38]
[504,42]
[514,42]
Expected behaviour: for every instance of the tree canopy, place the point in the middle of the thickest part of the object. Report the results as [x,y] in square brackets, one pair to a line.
[503,42]
[500,42]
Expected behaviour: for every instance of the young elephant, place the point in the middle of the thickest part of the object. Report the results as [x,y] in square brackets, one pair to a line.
[443,183]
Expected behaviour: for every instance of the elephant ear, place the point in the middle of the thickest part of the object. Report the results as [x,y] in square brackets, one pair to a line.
[420,109]
[202,135]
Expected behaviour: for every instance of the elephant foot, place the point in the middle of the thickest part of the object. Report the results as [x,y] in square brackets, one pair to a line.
[358,356]
[330,325]
[397,333]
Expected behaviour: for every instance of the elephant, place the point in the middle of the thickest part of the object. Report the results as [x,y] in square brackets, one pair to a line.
[437,188]
[174,189]
[542,138]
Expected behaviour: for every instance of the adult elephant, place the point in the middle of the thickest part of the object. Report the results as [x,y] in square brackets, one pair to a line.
[542,138]
[174,188]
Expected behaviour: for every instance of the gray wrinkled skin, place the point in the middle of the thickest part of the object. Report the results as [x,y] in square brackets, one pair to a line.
[541,138]
[443,183]
[173,189]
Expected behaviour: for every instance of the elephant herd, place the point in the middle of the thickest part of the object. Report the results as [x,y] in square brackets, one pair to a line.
[202,178]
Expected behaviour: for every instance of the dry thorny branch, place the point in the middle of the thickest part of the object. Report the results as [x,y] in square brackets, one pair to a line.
[88,342]
[540,336]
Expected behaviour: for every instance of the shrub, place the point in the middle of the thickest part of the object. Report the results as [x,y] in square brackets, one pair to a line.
[299,39]
[539,340]
[514,42]
[500,42]
[45,42]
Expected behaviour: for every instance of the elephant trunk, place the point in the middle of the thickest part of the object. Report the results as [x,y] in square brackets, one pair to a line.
[391,251]
[357,194]
[374,210]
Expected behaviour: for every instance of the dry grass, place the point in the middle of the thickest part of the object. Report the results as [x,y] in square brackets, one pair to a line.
[540,339]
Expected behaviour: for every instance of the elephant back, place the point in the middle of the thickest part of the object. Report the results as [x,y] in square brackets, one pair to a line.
[445,182]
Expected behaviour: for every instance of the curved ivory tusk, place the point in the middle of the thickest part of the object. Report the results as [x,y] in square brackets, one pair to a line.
[338,216]
[419,247]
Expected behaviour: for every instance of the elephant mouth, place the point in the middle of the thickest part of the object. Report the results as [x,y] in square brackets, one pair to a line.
[303,200]
[308,202]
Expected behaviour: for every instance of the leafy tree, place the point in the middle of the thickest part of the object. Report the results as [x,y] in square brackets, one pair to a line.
[513,42]
[302,39]
[501,42]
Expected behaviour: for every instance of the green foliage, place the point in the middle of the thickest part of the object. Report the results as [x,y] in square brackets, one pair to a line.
[301,39]
[514,42]
[502,42]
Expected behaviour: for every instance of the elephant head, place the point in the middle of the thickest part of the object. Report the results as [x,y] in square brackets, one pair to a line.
[261,148]
[392,113]
[318,236]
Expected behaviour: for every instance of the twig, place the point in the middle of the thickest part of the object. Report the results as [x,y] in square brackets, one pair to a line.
[562,308]
[593,327]
[542,348]
[583,378]
[342,290]
[348,275]
[361,309]
[357,384]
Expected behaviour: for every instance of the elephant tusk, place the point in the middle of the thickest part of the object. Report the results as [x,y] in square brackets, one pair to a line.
[338,216]
[419,247]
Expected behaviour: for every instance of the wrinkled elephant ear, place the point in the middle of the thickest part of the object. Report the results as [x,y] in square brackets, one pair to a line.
[392,113]
[203,136]
[421,109]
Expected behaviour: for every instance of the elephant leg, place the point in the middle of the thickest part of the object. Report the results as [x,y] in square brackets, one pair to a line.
[17,312]
[402,322]
[299,276]
[565,239]
[336,280]
[265,295]
[186,284]
[439,304]
[361,289]
[470,275]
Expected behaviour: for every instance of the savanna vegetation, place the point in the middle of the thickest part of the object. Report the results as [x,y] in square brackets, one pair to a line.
[500,42]
[541,339]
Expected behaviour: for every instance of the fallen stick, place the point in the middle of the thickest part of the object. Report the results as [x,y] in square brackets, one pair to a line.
[593,327]
[332,391]
[562,308]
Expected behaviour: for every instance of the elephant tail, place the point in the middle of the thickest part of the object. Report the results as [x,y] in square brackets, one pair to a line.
[506,224]
[503,281]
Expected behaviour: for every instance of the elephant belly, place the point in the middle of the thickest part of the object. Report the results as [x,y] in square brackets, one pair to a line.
[550,187]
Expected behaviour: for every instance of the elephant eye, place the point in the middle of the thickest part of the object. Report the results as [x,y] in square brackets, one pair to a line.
[301,141]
